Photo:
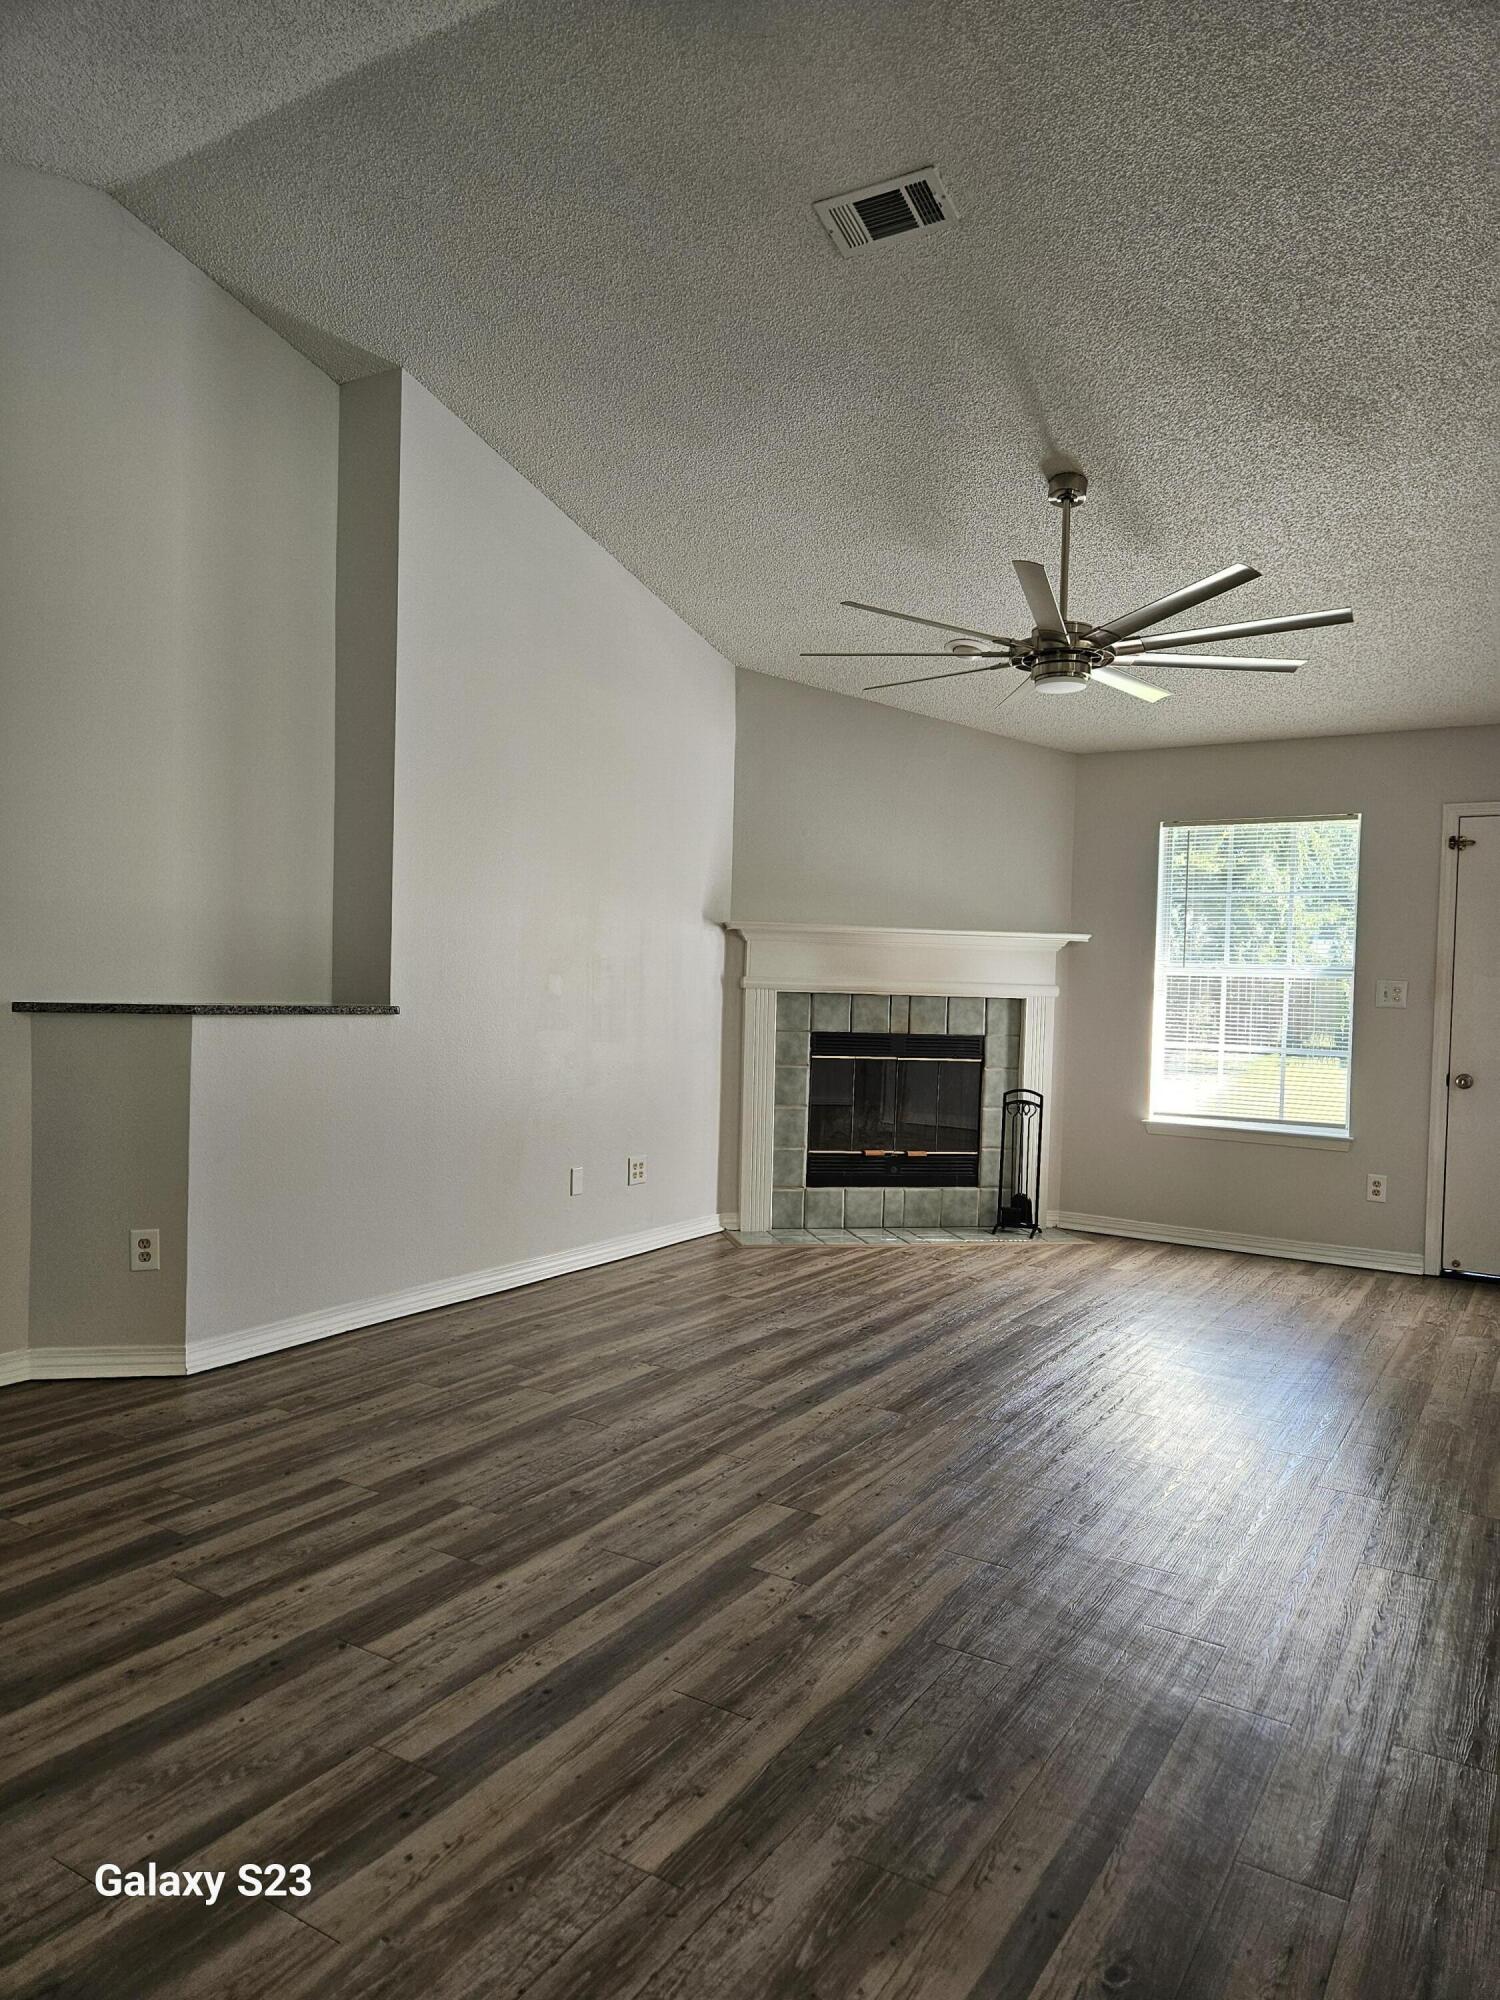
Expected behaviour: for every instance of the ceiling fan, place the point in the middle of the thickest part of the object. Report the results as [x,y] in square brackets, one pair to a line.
[1062,655]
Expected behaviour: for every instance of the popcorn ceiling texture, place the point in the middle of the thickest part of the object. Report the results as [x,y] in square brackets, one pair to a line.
[1234,260]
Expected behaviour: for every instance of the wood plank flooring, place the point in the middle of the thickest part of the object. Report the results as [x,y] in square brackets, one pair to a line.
[760,1623]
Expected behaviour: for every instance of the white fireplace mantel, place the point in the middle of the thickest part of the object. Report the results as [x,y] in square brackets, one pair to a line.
[846,958]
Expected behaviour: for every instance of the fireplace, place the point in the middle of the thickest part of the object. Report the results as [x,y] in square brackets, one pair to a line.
[854,1134]
[894,1110]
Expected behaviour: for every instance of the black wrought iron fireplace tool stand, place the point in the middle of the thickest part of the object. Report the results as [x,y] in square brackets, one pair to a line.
[1020,1162]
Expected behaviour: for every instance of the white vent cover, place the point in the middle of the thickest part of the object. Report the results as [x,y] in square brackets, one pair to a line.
[860,220]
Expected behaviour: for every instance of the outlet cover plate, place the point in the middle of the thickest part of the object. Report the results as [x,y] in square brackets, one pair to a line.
[145,1249]
[1390,993]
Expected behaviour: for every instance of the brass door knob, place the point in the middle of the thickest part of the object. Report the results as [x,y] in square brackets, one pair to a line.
[1463,1081]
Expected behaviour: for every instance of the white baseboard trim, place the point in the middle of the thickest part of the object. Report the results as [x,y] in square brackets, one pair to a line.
[15,1366]
[729,1222]
[67,1364]
[222,1350]
[1409,1261]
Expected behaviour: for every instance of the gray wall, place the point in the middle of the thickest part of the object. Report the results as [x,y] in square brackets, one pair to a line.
[168,490]
[110,1114]
[564,765]
[1110,1164]
[365,729]
[849,813]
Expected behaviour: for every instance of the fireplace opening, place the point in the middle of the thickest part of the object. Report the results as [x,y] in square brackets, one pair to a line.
[894,1110]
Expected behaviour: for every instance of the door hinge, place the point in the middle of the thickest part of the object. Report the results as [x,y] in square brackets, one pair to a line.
[1459,841]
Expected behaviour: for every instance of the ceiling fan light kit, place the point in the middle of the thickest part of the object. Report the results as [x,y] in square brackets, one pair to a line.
[1060,678]
[1064,655]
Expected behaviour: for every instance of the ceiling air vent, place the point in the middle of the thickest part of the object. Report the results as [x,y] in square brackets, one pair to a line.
[868,216]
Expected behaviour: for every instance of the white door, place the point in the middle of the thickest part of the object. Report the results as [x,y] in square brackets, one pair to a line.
[1471,1189]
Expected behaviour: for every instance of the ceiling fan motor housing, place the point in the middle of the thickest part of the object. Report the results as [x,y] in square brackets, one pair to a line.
[1065,487]
[1056,668]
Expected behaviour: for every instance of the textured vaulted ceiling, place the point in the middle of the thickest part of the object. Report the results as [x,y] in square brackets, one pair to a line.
[1237,260]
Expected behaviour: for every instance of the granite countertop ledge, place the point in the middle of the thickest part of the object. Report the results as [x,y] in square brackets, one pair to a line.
[191,1007]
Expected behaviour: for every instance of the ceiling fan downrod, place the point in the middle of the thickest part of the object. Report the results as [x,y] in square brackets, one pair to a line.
[1066,490]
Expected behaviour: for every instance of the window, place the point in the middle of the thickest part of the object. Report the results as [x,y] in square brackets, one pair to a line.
[1255,973]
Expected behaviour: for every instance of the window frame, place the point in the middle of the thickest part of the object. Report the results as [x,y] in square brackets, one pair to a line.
[1271,1131]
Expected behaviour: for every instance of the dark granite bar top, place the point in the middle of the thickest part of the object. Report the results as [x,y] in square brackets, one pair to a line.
[189,1007]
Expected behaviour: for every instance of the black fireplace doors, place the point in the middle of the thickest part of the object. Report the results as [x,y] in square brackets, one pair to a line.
[894,1110]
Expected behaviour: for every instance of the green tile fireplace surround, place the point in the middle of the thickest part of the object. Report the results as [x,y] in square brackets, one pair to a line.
[794,1205]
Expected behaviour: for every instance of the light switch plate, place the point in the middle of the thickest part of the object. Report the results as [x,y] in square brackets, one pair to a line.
[1390,993]
[575,1180]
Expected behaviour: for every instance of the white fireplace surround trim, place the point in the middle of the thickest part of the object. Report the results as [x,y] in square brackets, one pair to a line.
[845,958]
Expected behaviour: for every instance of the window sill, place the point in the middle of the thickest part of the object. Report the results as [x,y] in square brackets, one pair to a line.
[1255,1135]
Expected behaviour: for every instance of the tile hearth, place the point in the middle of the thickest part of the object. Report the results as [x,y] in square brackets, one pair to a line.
[849,1239]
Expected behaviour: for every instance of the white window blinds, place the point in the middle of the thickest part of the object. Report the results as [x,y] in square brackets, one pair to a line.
[1255,972]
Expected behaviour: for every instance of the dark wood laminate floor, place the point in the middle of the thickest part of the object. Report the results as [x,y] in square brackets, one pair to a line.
[737,1623]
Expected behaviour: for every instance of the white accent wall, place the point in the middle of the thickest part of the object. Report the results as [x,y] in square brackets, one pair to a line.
[563,824]
[1222,1188]
[168,471]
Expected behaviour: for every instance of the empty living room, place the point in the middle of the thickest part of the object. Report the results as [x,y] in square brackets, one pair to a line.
[750,1058]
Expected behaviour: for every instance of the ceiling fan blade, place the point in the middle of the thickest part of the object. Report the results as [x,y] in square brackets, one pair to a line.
[1229,666]
[1168,607]
[937,624]
[1040,597]
[1126,685]
[923,679]
[1253,628]
[975,655]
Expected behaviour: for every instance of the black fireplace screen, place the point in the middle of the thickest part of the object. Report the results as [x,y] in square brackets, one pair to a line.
[897,1110]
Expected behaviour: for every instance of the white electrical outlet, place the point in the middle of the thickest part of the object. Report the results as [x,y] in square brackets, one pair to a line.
[635,1172]
[145,1249]
[575,1180]
[1390,993]
[1375,1188]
